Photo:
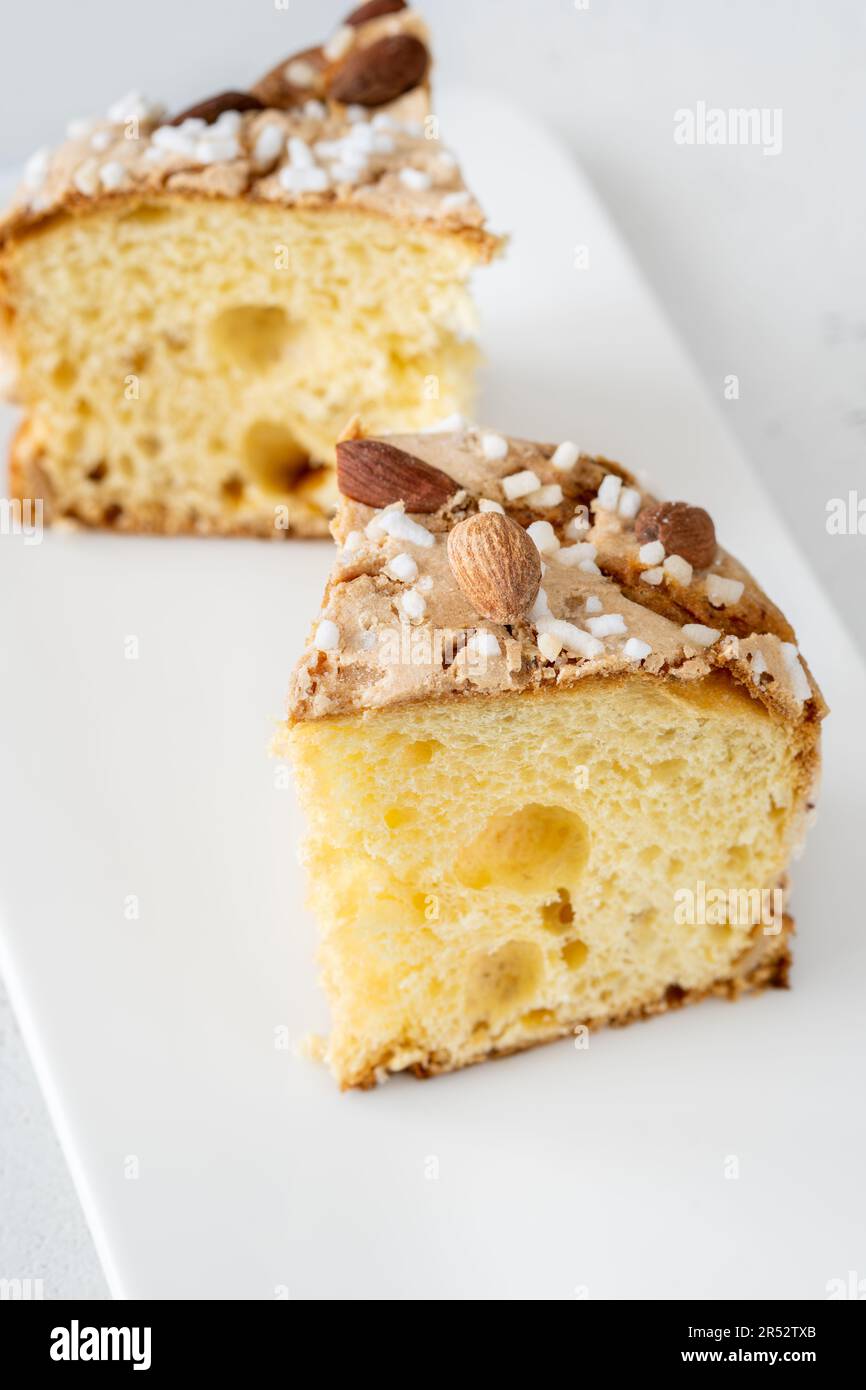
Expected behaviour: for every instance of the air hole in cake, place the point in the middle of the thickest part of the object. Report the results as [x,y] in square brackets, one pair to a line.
[65,374]
[252,336]
[574,953]
[98,472]
[309,478]
[737,858]
[525,850]
[418,754]
[398,816]
[558,914]
[145,214]
[501,982]
[537,1018]
[137,360]
[233,489]
[642,926]
[669,771]
[149,444]
[274,457]
[112,514]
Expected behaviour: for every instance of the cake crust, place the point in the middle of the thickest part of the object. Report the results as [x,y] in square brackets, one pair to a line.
[753,642]
[230,156]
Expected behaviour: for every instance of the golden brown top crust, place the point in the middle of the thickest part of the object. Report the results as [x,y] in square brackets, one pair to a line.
[432,598]
[346,124]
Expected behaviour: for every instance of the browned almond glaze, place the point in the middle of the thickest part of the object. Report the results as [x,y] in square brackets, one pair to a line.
[374,9]
[278,91]
[212,107]
[379,73]
[496,565]
[378,474]
[682,529]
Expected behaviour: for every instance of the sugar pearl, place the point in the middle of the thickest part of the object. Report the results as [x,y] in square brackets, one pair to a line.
[112,175]
[549,646]
[339,43]
[548,496]
[299,73]
[652,553]
[575,554]
[416,179]
[540,608]
[794,667]
[414,605]
[699,636]
[636,650]
[678,569]
[629,503]
[403,567]
[484,643]
[327,636]
[269,145]
[722,592]
[608,493]
[543,537]
[607,625]
[565,456]
[493,446]
[520,484]
[573,638]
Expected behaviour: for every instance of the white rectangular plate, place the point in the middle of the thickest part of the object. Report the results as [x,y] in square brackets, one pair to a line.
[556,1174]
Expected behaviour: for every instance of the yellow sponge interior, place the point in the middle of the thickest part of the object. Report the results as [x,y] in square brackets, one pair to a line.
[190,362]
[489,871]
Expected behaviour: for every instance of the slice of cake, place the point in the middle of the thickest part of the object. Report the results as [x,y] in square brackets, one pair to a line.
[556,749]
[191,308]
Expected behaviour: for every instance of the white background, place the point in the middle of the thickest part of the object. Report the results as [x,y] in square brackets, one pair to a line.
[758,260]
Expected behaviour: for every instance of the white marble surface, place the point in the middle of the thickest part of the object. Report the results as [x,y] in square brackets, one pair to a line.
[757,258]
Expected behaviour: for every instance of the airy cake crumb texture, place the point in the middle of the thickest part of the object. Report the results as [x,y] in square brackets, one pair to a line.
[490,872]
[188,365]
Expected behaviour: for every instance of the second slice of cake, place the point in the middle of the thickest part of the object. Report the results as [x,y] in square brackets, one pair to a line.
[556,748]
[191,308]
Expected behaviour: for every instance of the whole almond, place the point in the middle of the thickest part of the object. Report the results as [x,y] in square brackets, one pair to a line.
[276,90]
[682,529]
[372,10]
[380,72]
[213,107]
[496,566]
[377,474]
